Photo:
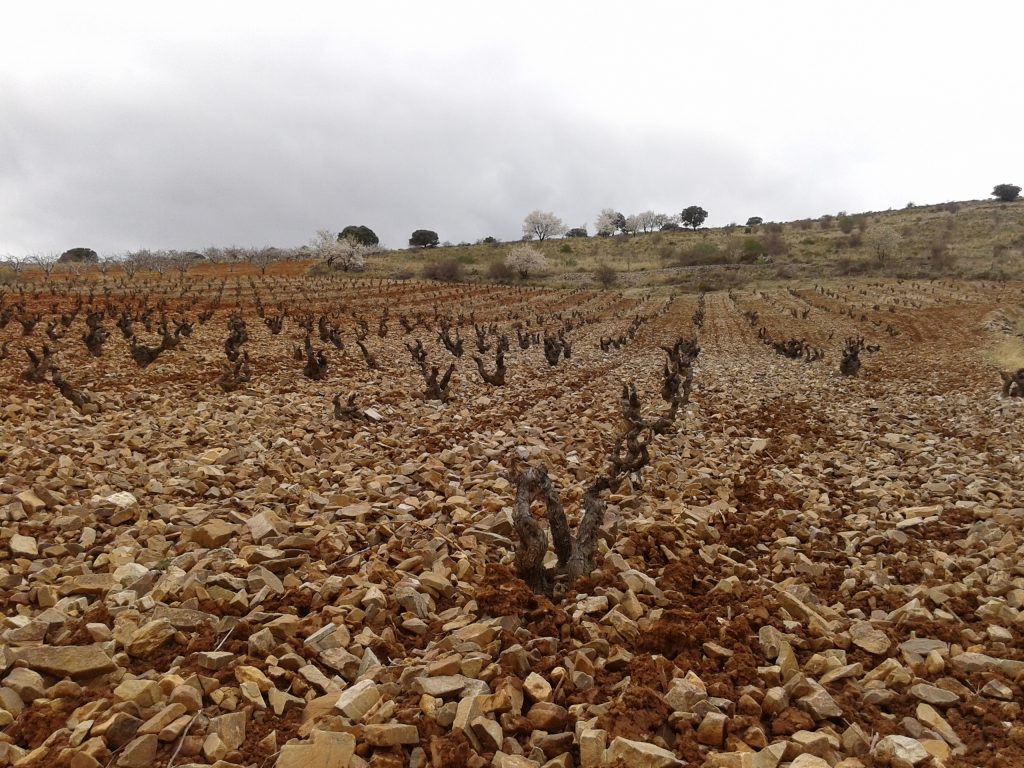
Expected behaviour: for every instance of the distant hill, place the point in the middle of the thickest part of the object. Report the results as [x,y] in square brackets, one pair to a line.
[973,239]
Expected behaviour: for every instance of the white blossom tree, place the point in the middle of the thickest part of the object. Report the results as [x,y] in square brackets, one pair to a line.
[347,255]
[630,225]
[542,225]
[525,259]
[607,222]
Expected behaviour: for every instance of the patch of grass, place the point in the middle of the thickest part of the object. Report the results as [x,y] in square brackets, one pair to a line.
[1005,355]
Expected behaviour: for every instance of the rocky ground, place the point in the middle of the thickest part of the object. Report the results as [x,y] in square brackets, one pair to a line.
[811,571]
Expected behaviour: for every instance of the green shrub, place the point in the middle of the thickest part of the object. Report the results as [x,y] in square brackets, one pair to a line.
[702,253]
[750,250]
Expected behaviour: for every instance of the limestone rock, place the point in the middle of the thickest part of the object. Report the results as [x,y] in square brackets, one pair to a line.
[639,754]
[900,751]
[149,637]
[79,662]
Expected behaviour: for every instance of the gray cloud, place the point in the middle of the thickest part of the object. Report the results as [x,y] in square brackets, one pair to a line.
[261,130]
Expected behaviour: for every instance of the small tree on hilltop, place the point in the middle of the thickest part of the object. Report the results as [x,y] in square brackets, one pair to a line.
[525,259]
[663,221]
[424,238]
[693,216]
[577,232]
[607,222]
[754,221]
[542,225]
[645,220]
[1006,192]
[360,234]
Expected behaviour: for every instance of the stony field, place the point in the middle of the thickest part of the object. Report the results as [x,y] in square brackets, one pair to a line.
[206,562]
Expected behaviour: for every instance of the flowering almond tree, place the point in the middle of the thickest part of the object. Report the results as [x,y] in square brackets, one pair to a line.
[346,254]
[525,259]
[542,225]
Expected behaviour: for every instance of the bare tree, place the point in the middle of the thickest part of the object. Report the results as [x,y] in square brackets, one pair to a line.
[646,220]
[181,263]
[45,262]
[130,267]
[15,265]
[261,258]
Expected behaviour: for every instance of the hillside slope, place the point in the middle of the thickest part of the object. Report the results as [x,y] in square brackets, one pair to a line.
[974,239]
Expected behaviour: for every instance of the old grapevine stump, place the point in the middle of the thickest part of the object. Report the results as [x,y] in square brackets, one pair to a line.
[575,554]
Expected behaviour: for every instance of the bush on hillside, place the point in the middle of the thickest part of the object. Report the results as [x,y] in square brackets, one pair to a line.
[702,254]
[445,271]
[500,272]
[606,275]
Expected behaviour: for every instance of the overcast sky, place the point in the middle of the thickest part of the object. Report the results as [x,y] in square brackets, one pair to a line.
[187,124]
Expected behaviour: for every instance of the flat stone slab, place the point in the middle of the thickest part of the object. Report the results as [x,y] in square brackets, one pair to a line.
[75,661]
